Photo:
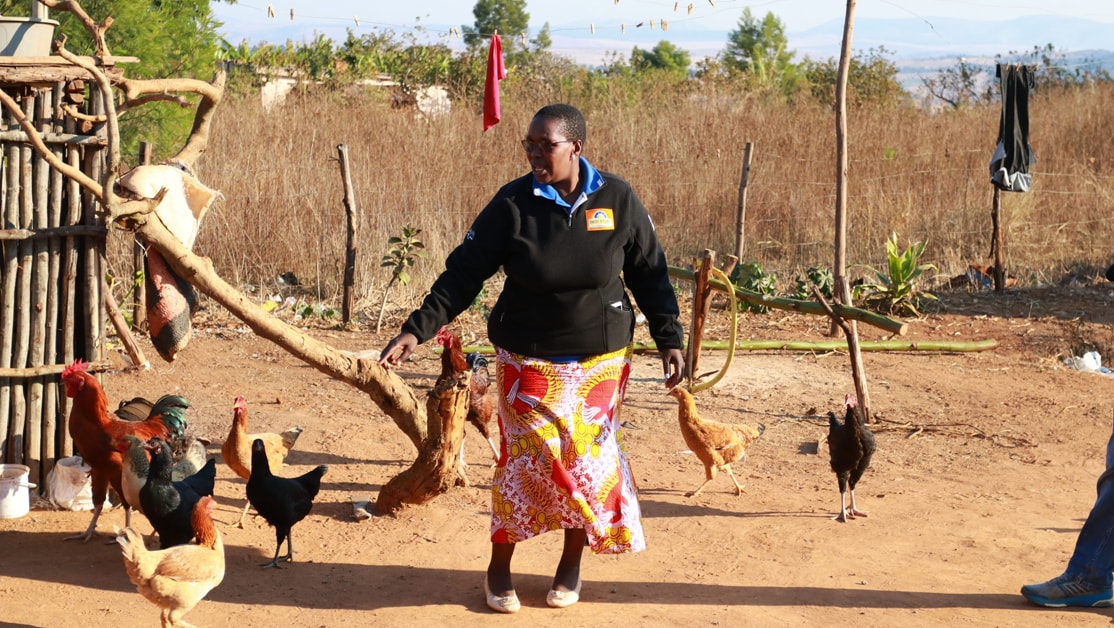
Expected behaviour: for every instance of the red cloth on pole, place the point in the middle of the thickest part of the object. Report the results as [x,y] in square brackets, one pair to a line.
[495,71]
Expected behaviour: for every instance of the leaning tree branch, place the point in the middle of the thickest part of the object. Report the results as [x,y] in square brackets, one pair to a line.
[36,140]
[75,113]
[108,199]
[181,101]
[210,92]
[387,390]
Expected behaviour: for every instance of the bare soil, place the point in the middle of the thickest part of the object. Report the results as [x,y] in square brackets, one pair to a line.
[984,474]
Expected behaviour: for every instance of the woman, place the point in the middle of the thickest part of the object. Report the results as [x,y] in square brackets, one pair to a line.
[562,327]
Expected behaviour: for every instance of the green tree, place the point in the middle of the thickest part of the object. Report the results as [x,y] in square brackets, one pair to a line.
[871,78]
[760,49]
[171,39]
[665,56]
[507,17]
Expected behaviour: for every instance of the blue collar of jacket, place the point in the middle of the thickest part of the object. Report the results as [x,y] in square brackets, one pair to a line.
[593,181]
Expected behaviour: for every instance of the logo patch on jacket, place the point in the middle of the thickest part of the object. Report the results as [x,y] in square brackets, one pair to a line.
[601,219]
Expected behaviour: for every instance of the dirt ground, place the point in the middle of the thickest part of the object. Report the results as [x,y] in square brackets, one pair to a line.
[985,471]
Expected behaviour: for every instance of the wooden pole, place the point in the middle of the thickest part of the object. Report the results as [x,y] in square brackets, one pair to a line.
[139,256]
[51,405]
[121,326]
[839,267]
[353,218]
[9,210]
[701,300]
[858,375]
[843,288]
[741,208]
[996,241]
[70,307]
[36,411]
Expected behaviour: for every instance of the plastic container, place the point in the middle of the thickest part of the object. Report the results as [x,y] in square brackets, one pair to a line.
[15,499]
[25,36]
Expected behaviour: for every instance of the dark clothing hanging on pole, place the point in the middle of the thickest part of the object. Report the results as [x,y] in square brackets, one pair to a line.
[1009,167]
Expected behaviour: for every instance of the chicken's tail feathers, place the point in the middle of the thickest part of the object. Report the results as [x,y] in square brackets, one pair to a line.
[312,479]
[206,478]
[475,360]
[131,543]
[290,436]
[172,410]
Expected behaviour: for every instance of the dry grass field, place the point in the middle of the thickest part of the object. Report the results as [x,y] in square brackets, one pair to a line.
[923,176]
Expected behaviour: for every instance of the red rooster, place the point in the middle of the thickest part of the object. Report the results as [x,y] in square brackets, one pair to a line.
[481,408]
[95,431]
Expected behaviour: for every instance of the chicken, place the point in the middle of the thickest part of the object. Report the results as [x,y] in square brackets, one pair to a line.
[481,405]
[168,505]
[95,431]
[236,449]
[454,364]
[283,502]
[137,465]
[717,445]
[176,579]
[851,445]
[192,457]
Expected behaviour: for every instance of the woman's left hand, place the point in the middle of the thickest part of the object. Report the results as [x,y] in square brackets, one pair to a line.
[673,364]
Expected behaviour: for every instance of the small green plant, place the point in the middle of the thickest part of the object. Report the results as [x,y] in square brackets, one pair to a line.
[306,311]
[403,253]
[896,292]
[751,276]
[819,276]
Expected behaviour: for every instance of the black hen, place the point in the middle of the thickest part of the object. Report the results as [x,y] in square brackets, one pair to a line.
[851,445]
[283,502]
[168,505]
[481,406]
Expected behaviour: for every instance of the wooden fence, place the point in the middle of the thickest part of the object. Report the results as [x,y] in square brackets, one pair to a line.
[52,257]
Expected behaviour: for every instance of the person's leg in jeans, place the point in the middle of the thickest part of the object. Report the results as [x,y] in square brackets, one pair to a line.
[1087,580]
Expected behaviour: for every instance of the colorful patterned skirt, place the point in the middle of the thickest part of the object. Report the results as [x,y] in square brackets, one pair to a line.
[562,463]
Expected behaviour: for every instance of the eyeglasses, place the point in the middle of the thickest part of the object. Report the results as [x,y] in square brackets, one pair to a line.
[544,146]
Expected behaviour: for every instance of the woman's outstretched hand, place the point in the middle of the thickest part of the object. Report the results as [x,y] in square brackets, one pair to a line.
[398,350]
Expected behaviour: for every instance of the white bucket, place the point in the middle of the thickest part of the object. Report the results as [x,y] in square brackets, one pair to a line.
[15,499]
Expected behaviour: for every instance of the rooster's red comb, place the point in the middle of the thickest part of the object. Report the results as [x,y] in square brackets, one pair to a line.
[78,366]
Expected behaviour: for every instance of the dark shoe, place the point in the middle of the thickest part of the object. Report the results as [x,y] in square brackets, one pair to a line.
[1068,590]
[501,604]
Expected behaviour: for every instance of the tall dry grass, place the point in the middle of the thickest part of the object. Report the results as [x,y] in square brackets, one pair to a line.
[921,175]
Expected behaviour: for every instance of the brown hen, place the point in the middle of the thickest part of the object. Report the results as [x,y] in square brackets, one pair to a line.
[717,445]
[236,449]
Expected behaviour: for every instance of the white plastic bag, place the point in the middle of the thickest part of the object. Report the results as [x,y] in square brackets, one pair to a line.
[69,484]
[1090,362]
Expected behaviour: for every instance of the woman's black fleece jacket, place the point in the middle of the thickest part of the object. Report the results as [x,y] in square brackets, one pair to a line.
[563,294]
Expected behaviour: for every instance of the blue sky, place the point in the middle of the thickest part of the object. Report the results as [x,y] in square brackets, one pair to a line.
[587,29]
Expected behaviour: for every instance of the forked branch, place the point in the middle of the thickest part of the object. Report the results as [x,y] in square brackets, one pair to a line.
[96,31]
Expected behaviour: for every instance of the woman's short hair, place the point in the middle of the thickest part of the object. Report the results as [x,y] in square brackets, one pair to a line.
[570,122]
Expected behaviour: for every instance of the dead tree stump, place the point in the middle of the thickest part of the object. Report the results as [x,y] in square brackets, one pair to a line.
[438,466]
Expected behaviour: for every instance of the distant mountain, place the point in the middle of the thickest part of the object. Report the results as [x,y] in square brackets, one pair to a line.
[930,37]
